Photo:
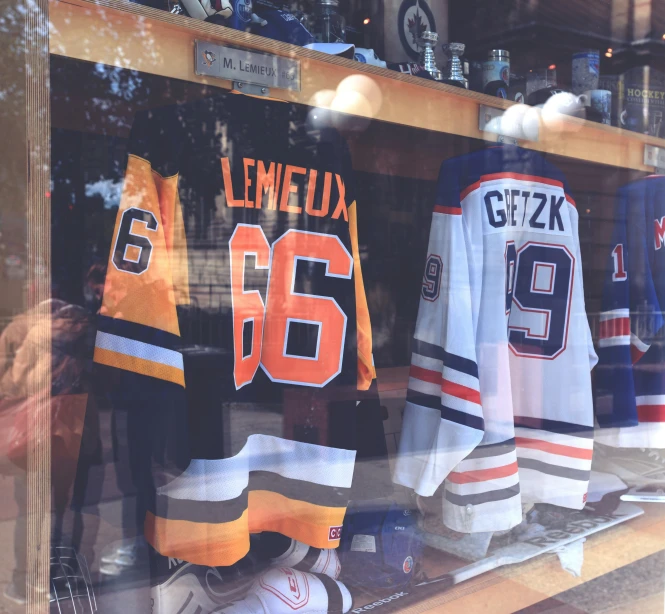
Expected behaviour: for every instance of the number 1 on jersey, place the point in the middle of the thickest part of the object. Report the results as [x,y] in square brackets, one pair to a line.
[270,322]
[619,273]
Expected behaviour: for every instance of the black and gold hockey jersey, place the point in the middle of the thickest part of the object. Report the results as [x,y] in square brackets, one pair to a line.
[234,307]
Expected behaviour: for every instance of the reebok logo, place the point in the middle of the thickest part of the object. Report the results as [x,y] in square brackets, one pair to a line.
[376,604]
[334,533]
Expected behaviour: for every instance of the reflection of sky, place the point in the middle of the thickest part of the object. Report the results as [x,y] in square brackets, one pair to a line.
[108,189]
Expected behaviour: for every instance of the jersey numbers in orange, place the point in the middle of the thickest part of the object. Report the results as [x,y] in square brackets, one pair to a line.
[270,322]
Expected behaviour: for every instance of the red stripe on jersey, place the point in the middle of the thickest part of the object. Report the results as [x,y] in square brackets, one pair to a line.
[482,475]
[425,375]
[616,327]
[553,448]
[651,413]
[459,391]
[635,354]
[447,210]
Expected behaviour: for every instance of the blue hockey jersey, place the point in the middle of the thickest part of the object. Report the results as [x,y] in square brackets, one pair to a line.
[630,382]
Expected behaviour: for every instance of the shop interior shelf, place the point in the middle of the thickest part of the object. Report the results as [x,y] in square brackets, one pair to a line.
[123,34]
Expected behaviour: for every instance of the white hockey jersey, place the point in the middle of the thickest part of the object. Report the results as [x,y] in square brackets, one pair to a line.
[499,402]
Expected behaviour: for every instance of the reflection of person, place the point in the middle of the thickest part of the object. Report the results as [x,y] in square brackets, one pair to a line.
[24,370]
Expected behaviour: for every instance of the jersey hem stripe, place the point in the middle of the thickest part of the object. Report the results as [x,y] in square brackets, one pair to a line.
[140,366]
[485,497]
[558,471]
[482,475]
[554,448]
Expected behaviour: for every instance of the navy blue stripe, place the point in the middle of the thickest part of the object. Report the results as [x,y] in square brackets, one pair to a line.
[483,497]
[557,470]
[447,413]
[463,365]
[426,400]
[554,426]
[461,417]
[138,332]
[429,350]
[492,449]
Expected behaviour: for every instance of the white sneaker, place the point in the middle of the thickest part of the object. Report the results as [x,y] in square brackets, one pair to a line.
[194,589]
[282,590]
[307,558]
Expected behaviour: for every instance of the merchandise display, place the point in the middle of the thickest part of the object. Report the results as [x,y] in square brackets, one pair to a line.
[311,331]
[503,412]
[287,330]
[630,392]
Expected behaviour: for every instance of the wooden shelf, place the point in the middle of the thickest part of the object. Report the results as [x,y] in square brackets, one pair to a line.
[132,36]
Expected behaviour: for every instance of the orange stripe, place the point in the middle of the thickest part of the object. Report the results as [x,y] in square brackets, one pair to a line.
[448,210]
[306,522]
[425,375]
[461,392]
[482,475]
[201,543]
[139,365]
[554,448]
[519,177]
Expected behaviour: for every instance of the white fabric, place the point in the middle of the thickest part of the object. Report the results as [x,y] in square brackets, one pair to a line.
[138,349]
[478,336]
[283,591]
[225,479]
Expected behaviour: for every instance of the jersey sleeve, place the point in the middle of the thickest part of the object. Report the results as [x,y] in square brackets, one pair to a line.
[443,417]
[137,355]
[366,371]
[631,314]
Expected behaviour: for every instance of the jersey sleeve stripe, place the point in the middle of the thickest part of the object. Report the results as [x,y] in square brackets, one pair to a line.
[461,417]
[616,327]
[140,366]
[494,449]
[426,375]
[614,313]
[614,341]
[484,497]
[461,392]
[464,365]
[554,426]
[650,413]
[138,332]
[447,210]
[139,349]
[483,475]
[424,400]
[428,350]
[553,448]
[581,475]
